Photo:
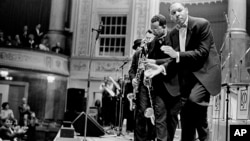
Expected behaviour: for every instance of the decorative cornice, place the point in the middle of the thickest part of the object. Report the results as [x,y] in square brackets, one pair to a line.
[34,60]
[191,1]
[79,68]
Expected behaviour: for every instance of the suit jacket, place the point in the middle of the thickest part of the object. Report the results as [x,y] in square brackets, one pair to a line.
[164,83]
[200,56]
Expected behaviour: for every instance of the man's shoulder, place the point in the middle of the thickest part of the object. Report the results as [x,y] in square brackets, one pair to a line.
[198,20]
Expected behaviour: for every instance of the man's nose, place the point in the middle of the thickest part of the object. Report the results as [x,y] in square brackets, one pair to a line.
[177,14]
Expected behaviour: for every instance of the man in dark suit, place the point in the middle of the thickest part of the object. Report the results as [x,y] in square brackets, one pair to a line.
[143,130]
[165,93]
[193,49]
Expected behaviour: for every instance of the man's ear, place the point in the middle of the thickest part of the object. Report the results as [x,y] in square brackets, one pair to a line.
[186,10]
[171,17]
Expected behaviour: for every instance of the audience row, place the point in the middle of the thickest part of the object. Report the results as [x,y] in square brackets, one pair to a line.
[35,39]
[23,128]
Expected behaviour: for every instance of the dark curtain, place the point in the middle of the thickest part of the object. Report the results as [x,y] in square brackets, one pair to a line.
[14,14]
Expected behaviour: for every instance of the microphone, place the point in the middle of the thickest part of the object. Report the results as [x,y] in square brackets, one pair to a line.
[244,55]
[124,63]
[224,63]
[223,44]
[98,30]
[227,20]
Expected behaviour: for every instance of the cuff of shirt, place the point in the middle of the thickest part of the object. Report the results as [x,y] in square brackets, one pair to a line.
[178,57]
[163,70]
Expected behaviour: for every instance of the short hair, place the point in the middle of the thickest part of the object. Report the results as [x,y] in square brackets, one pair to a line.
[4,105]
[159,18]
[149,31]
[175,3]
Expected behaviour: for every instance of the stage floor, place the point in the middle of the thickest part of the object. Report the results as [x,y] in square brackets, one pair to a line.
[124,137]
[110,136]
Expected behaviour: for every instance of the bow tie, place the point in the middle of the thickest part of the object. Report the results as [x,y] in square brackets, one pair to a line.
[178,27]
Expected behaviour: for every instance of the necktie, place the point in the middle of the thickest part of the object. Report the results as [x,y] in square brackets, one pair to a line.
[178,27]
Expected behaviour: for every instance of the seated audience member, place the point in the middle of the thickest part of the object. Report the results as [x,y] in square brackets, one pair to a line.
[31,42]
[24,109]
[2,39]
[8,41]
[17,41]
[57,48]
[44,45]
[30,122]
[8,132]
[6,112]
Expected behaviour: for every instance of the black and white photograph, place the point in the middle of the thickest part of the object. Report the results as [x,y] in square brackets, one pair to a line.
[124,70]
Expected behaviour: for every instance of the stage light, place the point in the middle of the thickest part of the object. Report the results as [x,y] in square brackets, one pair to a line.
[4,73]
[50,79]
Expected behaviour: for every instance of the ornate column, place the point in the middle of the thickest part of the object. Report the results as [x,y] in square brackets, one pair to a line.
[236,42]
[57,19]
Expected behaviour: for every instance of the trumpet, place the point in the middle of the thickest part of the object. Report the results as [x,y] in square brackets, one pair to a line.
[115,83]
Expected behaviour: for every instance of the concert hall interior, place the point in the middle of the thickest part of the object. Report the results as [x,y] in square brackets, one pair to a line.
[70,61]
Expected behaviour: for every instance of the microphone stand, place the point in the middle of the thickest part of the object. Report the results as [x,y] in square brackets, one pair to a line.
[88,82]
[229,71]
[121,100]
[226,37]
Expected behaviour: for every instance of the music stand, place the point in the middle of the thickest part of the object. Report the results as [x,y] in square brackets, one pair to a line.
[228,86]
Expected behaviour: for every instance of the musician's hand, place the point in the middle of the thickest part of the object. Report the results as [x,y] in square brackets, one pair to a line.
[170,51]
[153,70]
[134,82]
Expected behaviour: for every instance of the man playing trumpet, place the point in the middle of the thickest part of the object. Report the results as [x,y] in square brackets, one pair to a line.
[108,102]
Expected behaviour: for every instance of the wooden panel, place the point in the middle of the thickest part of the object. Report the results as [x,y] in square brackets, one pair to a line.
[16,93]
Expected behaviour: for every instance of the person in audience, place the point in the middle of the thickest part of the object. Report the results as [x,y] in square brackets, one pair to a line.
[38,34]
[44,45]
[31,42]
[24,36]
[17,41]
[24,109]
[57,48]
[8,41]
[8,132]
[2,39]
[6,112]
[30,121]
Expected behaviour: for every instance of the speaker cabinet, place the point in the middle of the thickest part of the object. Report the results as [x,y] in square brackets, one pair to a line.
[93,128]
[67,132]
[76,100]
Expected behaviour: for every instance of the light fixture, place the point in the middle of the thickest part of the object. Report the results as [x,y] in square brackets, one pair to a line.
[4,73]
[8,78]
[50,79]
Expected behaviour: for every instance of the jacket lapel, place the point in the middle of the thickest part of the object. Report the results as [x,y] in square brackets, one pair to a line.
[189,30]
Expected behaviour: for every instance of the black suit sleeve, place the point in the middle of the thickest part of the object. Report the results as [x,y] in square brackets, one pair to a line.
[134,65]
